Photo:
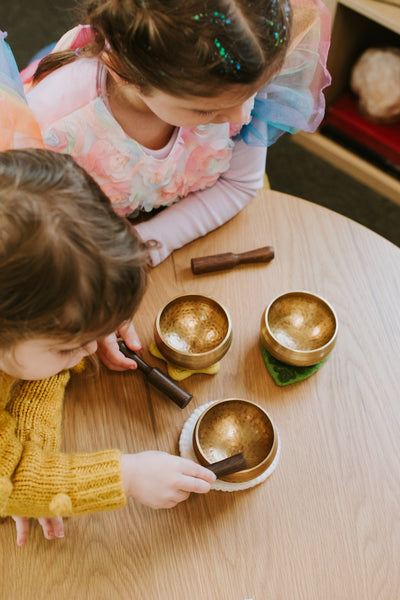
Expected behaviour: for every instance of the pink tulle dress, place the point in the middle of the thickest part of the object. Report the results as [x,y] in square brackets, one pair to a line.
[18,126]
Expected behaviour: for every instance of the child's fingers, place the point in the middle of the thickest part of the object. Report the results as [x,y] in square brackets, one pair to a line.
[193,469]
[128,333]
[111,356]
[196,478]
[179,496]
[52,527]
[194,484]
[22,526]
[58,527]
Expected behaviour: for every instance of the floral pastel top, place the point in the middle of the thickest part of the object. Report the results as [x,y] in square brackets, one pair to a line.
[132,176]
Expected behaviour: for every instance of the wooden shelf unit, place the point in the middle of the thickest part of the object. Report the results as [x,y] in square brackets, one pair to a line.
[357,25]
[387,15]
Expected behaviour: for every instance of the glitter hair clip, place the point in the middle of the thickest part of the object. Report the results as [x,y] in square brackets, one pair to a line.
[222,19]
[280,32]
[213,16]
[225,55]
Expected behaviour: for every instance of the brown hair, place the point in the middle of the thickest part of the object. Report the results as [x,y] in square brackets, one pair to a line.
[69,266]
[185,47]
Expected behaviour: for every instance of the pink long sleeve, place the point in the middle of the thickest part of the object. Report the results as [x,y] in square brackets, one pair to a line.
[201,212]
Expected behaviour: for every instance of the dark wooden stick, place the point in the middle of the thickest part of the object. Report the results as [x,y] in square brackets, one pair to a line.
[157,378]
[234,463]
[228,260]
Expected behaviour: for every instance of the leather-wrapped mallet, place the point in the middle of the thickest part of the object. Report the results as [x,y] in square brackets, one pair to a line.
[228,260]
[157,378]
[229,465]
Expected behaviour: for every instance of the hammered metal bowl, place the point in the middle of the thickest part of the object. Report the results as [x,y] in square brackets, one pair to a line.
[299,328]
[193,331]
[236,425]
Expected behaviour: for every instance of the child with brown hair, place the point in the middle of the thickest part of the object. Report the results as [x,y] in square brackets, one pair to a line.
[71,271]
[170,105]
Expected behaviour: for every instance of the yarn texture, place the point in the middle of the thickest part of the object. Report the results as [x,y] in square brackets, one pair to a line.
[36,479]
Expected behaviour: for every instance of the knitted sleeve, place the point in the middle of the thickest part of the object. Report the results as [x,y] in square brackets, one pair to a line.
[38,419]
[36,480]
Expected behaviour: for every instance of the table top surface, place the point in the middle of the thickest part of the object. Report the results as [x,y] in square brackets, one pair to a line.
[325,524]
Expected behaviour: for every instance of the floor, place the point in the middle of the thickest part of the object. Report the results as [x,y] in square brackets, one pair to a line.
[291,169]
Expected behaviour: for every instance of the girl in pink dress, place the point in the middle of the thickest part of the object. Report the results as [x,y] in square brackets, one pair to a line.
[170,105]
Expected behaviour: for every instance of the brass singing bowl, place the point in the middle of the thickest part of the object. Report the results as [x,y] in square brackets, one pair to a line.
[299,328]
[193,331]
[231,426]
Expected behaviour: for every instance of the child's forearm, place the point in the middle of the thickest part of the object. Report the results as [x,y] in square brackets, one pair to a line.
[202,212]
[35,479]
[34,483]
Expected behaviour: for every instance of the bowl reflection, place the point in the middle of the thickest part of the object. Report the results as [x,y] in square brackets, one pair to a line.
[299,328]
[193,331]
[231,426]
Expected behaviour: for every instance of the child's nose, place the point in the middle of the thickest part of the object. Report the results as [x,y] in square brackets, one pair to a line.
[235,115]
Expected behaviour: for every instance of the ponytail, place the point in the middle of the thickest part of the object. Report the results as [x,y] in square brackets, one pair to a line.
[52,62]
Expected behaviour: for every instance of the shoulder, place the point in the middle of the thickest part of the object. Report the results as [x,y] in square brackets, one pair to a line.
[63,91]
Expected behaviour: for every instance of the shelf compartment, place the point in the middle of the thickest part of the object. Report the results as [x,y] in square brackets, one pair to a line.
[357,25]
[387,15]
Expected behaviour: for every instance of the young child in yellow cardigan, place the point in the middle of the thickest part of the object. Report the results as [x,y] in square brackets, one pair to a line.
[71,271]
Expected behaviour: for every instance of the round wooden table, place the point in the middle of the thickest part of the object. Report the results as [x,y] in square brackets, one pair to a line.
[325,524]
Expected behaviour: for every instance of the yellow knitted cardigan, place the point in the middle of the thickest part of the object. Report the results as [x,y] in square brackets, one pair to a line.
[36,479]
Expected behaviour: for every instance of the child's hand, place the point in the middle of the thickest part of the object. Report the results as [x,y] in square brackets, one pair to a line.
[109,352]
[162,480]
[52,528]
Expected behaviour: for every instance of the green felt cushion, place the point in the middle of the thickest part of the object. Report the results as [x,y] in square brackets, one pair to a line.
[284,374]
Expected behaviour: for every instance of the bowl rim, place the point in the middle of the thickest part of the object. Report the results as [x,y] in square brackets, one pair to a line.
[308,293]
[258,468]
[194,354]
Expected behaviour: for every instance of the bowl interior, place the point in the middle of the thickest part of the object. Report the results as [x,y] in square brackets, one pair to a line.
[233,426]
[193,324]
[301,321]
